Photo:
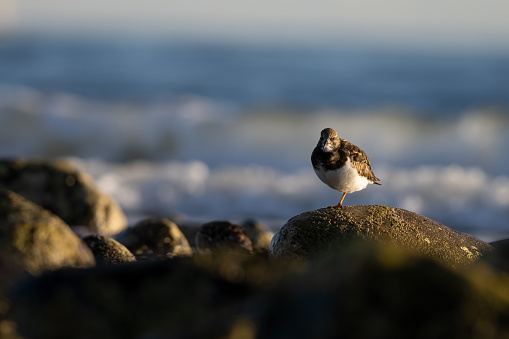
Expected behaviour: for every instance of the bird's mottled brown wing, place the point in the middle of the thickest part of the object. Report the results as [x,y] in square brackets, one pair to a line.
[359,160]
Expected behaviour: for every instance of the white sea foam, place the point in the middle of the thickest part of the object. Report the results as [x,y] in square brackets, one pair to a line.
[464,198]
[210,159]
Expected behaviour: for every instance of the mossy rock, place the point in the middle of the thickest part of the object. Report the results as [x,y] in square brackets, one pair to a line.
[155,238]
[64,190]
[38,238]
[108,251]
[325,230]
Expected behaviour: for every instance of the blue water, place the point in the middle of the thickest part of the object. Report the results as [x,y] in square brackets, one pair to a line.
[225,131]
[425,82]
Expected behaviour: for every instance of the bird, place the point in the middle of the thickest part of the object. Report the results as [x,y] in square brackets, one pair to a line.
[341,165]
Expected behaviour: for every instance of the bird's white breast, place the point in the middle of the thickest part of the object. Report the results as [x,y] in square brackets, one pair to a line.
[345,179]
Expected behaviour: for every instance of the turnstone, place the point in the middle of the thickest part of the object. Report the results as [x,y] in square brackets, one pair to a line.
[341,165]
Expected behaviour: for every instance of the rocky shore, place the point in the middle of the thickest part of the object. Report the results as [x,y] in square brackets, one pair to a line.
[359,271]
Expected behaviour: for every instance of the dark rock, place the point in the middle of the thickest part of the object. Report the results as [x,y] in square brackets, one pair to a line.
[67,192]
[159,299]
[315,232]
[155,237]
[38,238]
[360,291]
[259,235]
[375,291]
[11,273]
[108,251]
[222,235]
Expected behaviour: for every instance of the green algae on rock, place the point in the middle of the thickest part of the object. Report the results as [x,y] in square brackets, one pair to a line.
[65,191]
[37,237]
[108,251]
[324,230]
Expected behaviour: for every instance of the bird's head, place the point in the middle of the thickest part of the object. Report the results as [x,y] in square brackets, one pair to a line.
[329,140]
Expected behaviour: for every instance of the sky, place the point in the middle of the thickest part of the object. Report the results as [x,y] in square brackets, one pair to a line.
[439,21]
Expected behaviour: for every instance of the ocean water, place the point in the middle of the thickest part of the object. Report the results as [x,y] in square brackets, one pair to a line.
[225,131]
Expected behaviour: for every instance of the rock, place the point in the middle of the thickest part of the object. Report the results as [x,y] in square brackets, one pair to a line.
[108,251]
[38,238]
[67,192]
[259,235]
[11,273]
[222,235]
[158,299]
[155,237]
[361,291]
[325,230]
[369,290]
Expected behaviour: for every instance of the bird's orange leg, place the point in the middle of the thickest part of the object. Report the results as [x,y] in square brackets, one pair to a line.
[340,203]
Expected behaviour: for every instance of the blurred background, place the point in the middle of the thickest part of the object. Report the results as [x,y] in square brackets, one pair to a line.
[212,109]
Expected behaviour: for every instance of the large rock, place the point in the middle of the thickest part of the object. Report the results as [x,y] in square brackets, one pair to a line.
[361,291]
[38,238]
[158,299]
[155,238]
[67,192]
[325,230]
[108,251]
[369,290]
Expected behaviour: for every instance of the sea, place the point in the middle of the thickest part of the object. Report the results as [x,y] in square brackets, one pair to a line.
[225,130]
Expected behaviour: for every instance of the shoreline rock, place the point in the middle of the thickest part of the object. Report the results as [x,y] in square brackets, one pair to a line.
[365,291]
[38,238]
[321,231]
[65,191]
[379,272]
